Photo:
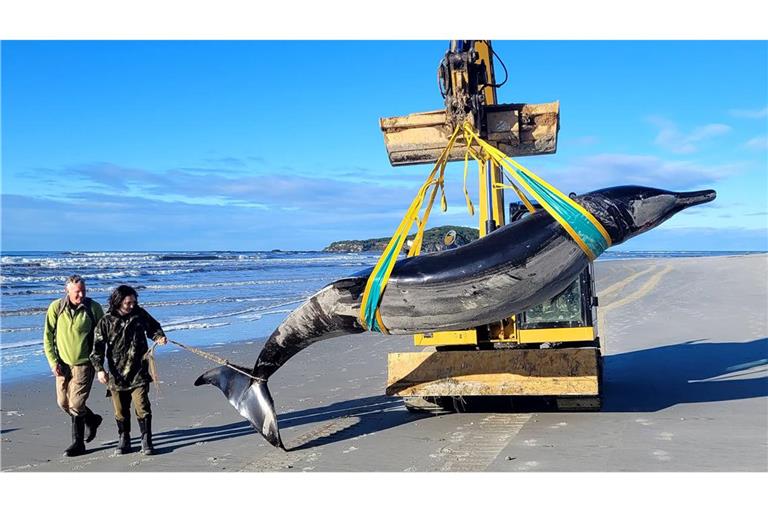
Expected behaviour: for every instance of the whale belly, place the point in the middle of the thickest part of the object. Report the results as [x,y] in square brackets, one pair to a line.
[486,295]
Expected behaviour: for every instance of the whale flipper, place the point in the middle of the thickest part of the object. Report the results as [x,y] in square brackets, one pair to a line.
[250,397]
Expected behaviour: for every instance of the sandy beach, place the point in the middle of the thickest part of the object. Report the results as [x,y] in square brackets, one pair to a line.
[685,389]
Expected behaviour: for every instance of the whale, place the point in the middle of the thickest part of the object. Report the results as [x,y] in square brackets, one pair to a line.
[510,270]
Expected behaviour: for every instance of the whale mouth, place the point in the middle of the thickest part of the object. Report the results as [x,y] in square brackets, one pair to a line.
[687,199]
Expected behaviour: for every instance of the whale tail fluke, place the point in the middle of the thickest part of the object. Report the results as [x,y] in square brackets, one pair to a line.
[250,397]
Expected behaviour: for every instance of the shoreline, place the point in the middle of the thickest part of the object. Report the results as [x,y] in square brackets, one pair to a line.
[163,357]
[160,354]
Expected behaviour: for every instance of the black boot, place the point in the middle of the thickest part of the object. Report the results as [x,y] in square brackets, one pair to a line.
[92,422]
[145,424]
[78,432]
[123,436]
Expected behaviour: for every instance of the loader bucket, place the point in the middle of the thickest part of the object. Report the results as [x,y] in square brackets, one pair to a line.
[515,129]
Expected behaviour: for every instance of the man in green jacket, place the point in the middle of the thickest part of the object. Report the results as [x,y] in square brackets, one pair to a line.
[68,341]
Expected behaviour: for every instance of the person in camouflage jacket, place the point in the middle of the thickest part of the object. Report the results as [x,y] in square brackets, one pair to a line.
[121,335]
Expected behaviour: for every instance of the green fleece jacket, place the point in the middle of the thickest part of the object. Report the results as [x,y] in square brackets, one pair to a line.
[70,340]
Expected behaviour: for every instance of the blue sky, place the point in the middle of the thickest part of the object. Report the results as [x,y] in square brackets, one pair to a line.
[257,145]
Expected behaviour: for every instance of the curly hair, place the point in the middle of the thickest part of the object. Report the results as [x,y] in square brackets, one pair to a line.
[118,295]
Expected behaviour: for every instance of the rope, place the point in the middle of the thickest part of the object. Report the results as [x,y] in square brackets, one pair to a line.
[150,356]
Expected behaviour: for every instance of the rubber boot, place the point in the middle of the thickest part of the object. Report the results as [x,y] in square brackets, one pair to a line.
[145,424]
[78,432]
[92,422]
[123,437]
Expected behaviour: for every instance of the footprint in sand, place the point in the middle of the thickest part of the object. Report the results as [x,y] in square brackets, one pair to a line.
[528,465]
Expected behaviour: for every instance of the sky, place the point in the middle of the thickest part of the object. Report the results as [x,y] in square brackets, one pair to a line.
[261,145]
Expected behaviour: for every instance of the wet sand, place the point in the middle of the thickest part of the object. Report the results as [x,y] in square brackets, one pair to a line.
[686,380]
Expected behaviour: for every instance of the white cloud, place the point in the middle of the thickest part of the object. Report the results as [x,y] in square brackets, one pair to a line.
[254,190]
[760,142]
[671,138]
[609,169]
[749,114]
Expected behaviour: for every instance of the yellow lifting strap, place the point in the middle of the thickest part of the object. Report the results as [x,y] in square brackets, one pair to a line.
[581,225]
[377,281]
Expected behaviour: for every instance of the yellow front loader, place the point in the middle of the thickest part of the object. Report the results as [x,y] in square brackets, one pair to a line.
[551,351]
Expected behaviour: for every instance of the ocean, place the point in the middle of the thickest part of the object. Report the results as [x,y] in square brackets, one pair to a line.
[200,298]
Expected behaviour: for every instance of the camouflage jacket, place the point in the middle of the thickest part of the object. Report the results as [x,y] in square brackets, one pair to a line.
[123,339]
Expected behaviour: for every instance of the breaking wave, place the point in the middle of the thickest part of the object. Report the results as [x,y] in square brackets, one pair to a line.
[184,286]
[199,325]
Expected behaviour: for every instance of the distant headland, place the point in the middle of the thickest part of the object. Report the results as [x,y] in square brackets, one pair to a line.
[433,241]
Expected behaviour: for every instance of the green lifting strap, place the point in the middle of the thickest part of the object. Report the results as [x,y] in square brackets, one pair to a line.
[371,301]
[587,231]
[581,225]
[369,315]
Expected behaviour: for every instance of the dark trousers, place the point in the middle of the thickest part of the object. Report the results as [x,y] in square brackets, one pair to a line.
[121,400]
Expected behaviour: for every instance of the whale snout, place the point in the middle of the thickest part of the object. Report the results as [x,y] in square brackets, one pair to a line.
[634,209]
[686,199]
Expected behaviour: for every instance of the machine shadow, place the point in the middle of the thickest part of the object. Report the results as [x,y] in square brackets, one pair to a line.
[690,372]
[372,414]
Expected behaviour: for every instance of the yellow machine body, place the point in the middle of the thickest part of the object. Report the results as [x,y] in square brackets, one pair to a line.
[506,334]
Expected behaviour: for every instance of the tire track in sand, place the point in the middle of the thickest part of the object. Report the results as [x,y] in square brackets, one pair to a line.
[475,446]
[642,291]
[646,288]
[627,280]
[277,460]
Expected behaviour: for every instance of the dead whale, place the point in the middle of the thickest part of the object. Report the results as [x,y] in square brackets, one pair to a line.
[508,271]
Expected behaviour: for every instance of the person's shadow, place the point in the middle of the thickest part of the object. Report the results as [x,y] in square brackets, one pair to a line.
[690,372]
[170,440]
